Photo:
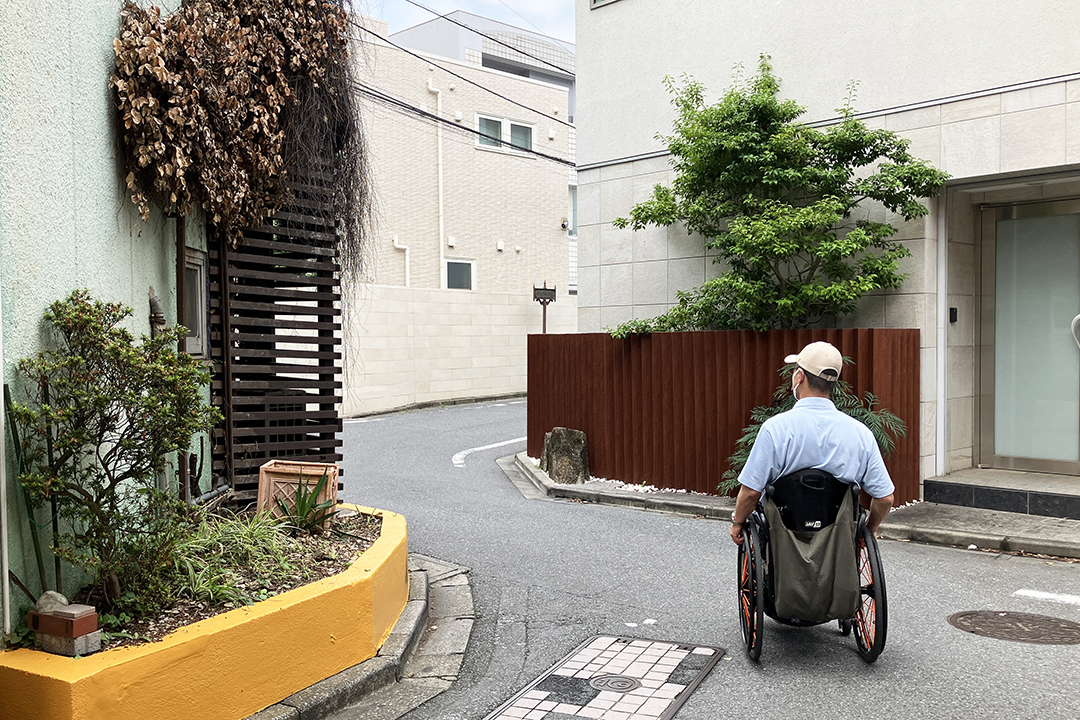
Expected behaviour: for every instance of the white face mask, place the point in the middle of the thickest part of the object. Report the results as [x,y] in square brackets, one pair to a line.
[794,386]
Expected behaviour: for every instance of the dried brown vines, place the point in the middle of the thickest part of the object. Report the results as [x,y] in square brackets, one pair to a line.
[213,101]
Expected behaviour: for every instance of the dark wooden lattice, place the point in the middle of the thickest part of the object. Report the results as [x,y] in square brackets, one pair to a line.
[276,346]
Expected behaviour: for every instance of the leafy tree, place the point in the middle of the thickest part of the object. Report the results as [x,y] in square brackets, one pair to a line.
[885,425]
[782,204]
[102,414]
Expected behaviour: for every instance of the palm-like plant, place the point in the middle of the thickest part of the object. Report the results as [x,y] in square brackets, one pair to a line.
[885,425]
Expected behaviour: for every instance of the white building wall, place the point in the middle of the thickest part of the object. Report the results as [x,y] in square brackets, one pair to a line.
[898,52]
[490,196]
[1007,145]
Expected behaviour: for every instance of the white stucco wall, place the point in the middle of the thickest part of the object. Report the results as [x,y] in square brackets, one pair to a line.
[899,52]
[65,219]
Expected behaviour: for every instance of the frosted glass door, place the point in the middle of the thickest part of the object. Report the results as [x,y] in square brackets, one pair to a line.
[1036,361]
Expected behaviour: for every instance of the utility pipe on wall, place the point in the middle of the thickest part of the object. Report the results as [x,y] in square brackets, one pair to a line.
[5,584]
[442,236]
[399,246]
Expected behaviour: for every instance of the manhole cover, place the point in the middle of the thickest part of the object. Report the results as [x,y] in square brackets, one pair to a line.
[1018,626]
[614,678]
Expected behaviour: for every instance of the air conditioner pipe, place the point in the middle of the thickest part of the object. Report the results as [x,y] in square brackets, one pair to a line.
[5,583]
[439,165]
[399,246]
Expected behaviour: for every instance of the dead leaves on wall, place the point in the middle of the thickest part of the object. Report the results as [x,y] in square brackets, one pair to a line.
[202,96]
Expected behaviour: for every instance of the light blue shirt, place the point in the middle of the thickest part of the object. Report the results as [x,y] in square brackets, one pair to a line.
[814,434]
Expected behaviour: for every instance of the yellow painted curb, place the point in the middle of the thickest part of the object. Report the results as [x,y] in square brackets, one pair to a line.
[231,665]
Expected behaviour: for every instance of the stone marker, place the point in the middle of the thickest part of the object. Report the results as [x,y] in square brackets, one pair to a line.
[566,456]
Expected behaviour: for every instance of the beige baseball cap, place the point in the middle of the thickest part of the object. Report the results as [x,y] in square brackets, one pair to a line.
[819,358]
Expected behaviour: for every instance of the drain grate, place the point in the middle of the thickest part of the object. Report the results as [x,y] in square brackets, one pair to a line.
[614,678]
[1018,626]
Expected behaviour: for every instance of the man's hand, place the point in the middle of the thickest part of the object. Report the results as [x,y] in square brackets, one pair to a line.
[736,534]
[879,508]
[744,505]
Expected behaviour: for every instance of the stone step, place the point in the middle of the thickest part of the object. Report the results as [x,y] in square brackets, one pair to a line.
[1041,494]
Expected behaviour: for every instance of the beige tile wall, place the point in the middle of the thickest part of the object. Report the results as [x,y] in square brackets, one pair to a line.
[410,345]
[1027,132]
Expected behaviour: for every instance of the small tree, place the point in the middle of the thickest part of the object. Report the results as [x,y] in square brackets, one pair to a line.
[101,415]
[781,203]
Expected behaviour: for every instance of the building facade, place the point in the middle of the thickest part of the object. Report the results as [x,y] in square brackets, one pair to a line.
[985,92]
[471,215]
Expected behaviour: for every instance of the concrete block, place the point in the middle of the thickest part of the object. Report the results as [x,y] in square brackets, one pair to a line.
[1033,139]
[1035,97]
[971,109]
[59,645]
[971,148]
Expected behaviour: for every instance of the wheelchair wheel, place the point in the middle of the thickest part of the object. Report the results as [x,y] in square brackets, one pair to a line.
[845,627]
[751,585]
[871,619]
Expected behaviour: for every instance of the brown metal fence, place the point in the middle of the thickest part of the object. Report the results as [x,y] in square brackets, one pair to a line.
[666,409]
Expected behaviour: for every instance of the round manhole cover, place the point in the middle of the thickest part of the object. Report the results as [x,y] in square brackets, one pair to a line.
[615,683]
[1018,626]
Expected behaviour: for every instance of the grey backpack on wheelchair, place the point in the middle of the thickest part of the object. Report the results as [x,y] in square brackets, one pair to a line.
[812,520]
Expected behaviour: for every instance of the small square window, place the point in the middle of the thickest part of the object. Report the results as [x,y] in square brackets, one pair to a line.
[196,303]
[521,136]
[458,275]
[490,132]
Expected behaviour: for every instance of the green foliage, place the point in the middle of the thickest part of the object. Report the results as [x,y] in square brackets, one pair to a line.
[101,415]
[784,207]
[205,564]
[21,634]
[308,515]
[885,425]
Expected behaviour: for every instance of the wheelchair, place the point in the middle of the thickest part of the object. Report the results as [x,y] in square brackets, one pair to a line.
[820,584]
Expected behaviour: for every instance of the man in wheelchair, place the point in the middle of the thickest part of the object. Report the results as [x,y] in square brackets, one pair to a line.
[810,553]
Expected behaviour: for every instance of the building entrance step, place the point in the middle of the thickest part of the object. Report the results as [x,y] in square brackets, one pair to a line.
[1008,491]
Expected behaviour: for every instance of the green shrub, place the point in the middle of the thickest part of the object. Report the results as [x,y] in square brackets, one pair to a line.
[102,414]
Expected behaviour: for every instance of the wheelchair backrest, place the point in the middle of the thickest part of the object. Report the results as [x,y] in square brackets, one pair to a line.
[809,500]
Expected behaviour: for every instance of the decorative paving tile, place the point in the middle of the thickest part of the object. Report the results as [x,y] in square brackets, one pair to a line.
[614,678]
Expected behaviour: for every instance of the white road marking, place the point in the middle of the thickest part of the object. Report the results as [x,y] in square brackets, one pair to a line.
[361,420]
[1052,597]
[459,458]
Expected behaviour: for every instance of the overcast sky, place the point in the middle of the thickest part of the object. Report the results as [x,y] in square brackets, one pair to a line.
[551,17]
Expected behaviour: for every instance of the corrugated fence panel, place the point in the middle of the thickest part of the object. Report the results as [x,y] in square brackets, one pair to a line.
[667,409]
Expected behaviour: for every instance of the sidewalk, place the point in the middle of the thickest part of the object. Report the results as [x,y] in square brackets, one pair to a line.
[923,522]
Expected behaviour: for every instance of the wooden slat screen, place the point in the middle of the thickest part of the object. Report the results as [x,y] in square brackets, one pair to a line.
[666,409]
[276,344]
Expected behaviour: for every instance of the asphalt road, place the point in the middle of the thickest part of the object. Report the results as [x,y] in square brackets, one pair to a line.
[548,574]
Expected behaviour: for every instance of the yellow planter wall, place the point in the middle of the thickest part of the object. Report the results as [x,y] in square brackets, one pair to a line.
[231,665]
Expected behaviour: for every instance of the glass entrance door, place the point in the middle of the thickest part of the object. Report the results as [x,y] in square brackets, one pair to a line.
[1033,406]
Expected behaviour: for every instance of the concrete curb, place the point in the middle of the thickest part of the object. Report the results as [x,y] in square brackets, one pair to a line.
[984,541]
[720,508]
[353,684]
[597,492]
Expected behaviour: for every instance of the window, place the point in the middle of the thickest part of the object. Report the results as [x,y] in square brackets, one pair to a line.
[459,275]
[572,229]
[490,132]
[195,303]
[498,132]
